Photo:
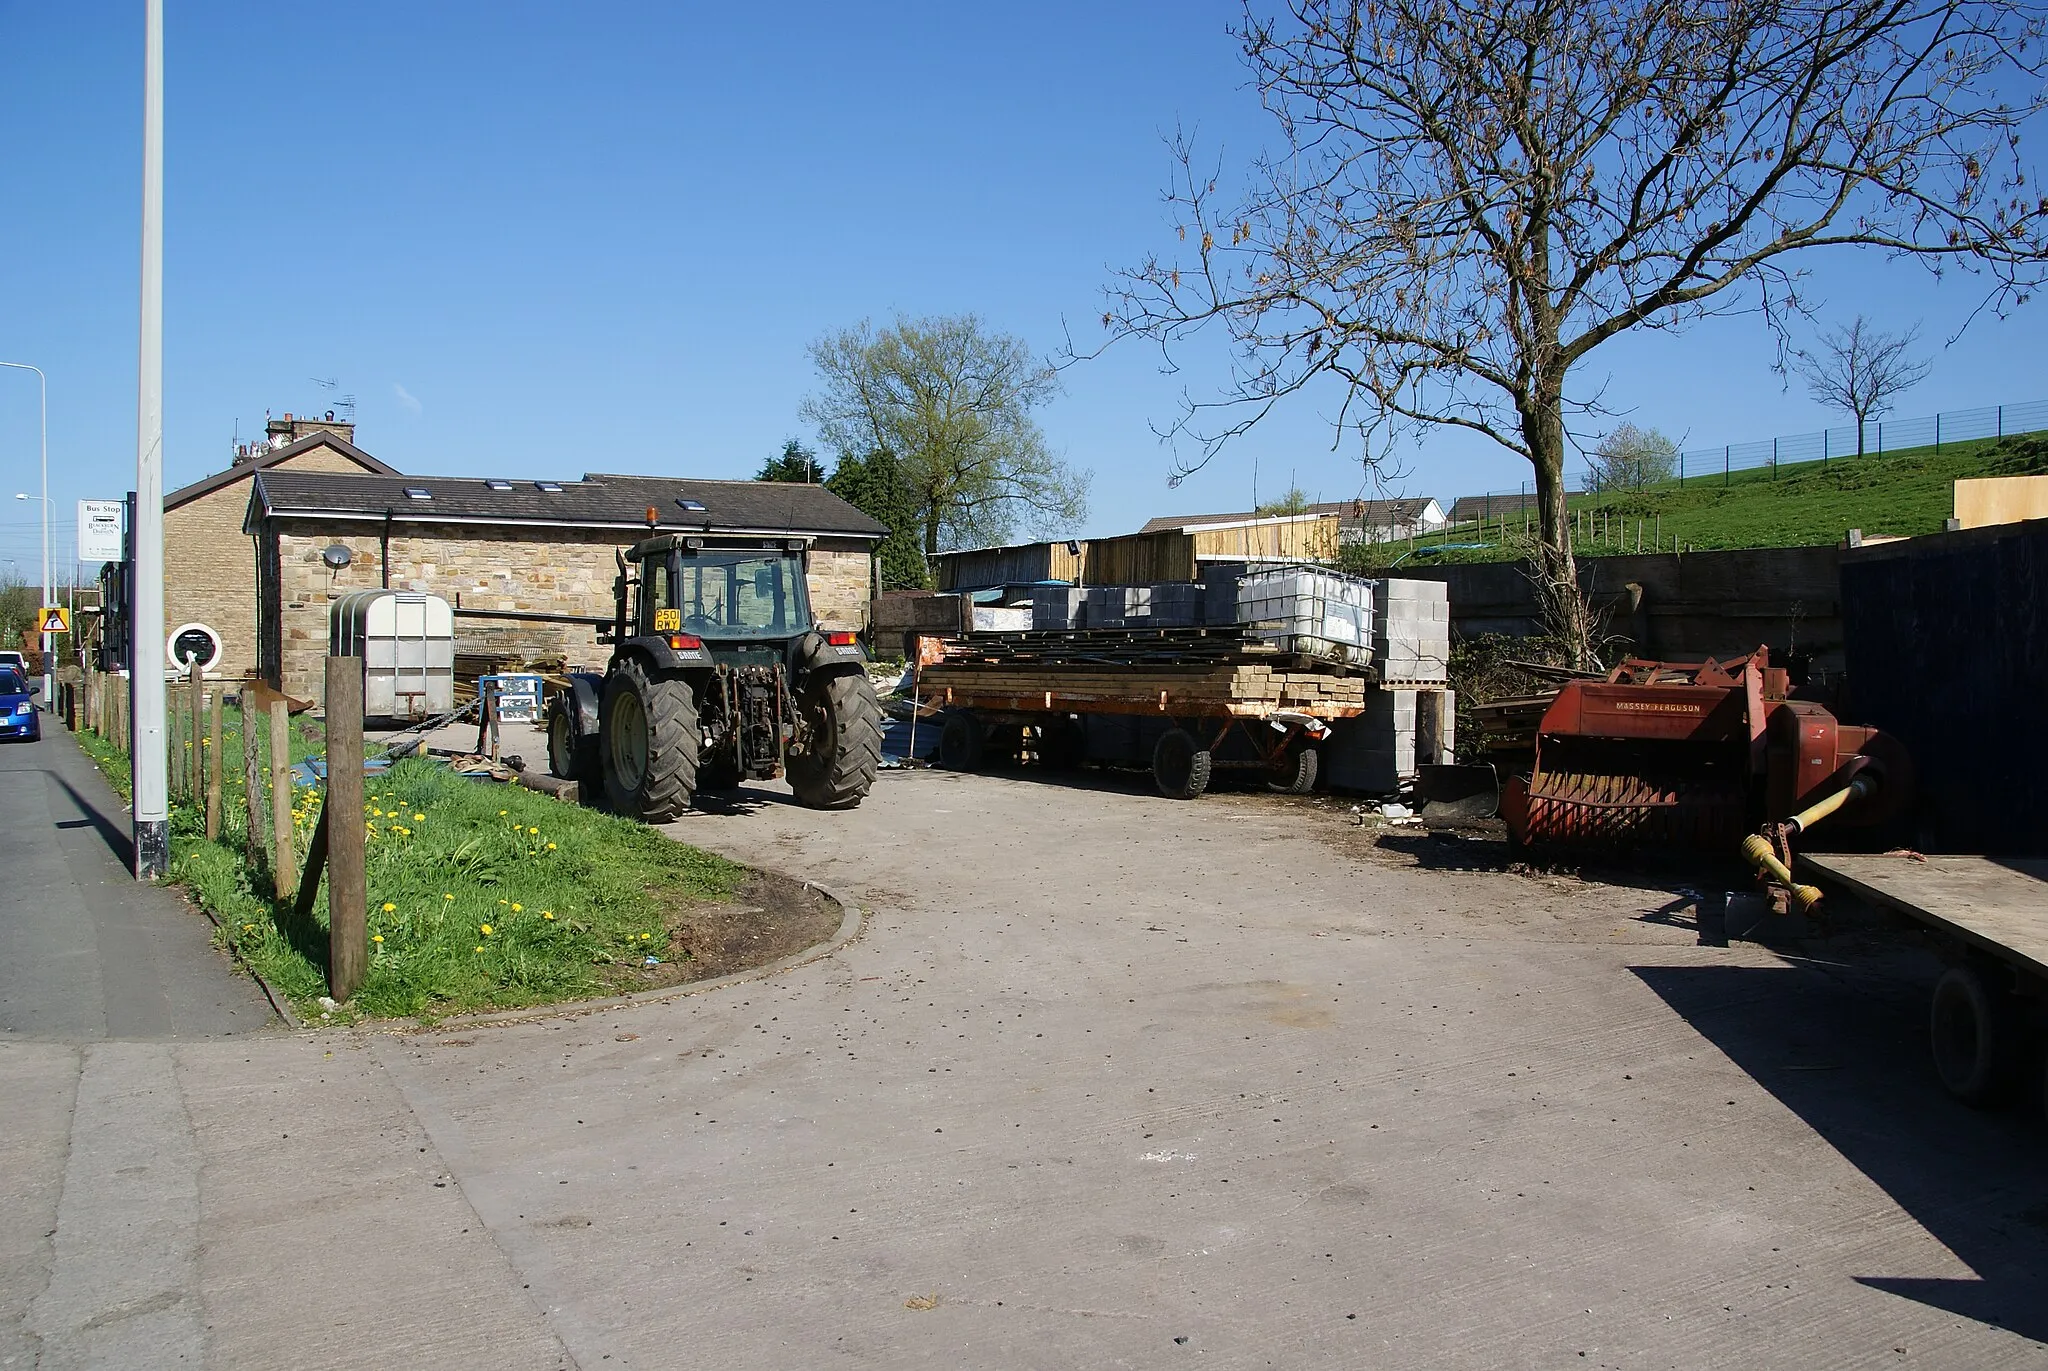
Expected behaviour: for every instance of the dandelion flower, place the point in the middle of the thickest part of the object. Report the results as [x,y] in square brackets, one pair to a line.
[376,937]
[479,947]
[645,936]
[533,830]
[501,902]
[388,906]
[503,812]
[518,908]
[485,930]
[447,897]
[551,847]
[419,818]
[547,913]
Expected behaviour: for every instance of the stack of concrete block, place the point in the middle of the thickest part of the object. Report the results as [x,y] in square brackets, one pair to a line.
[1175,604]
[1411,630]
[1377,752]
[1106,607]
[1219,592]
[1056,609]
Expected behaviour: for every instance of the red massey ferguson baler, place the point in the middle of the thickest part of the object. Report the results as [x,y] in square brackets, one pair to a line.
[1698,755]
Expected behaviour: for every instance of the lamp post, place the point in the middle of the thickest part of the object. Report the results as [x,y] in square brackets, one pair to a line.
[151,803]
[43,398]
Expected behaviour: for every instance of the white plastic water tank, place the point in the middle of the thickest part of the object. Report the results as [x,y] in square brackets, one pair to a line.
[407,643]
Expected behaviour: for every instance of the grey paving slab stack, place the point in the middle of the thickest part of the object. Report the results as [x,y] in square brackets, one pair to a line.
[1411,630]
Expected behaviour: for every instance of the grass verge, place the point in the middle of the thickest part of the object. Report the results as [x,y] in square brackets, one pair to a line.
[482,897]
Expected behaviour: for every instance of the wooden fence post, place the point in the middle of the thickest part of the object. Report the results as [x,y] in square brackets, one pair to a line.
[347,888]
[213,768]
[252,781]
[284,857]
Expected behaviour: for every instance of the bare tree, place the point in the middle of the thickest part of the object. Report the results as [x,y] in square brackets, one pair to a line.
[950,403]
[1472,196]
[1861,371]
[1630,458]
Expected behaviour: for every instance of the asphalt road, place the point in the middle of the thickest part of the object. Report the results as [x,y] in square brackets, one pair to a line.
[1107,1081]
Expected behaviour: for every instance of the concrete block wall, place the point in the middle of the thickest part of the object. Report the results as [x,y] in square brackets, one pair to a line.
[1378,752]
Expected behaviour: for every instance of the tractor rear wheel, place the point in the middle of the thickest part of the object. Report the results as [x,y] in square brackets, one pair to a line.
[838,768]
[649,738]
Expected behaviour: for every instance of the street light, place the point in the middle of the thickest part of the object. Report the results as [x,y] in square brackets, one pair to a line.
[43,394]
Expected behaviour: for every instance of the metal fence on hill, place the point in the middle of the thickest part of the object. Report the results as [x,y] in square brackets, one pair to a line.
[1880,438]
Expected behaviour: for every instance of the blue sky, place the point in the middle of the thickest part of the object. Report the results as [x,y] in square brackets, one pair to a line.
[547,239]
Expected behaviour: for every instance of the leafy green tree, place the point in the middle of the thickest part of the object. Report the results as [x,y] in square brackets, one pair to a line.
[1295,501]
[874,485]
[797,465]
[1630,458]
[951,402]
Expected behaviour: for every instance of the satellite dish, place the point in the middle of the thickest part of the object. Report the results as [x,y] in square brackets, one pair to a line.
[337,556]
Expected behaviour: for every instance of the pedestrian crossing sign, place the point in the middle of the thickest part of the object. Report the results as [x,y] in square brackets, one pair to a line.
[53,619]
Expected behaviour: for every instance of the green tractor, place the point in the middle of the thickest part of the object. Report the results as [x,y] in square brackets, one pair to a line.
[717,675]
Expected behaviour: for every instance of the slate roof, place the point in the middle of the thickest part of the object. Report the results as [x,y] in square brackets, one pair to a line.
[206,485]
[1470,507]
[596,501]
[1379,513]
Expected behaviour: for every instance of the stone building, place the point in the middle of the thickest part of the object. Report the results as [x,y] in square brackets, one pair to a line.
[493,548]
[209,576]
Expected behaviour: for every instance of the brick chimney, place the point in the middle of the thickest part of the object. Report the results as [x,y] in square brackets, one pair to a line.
[293,427]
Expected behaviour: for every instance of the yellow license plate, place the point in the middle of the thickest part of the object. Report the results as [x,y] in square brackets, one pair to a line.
[667,620]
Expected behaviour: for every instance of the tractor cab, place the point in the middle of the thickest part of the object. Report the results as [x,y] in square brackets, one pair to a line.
[738,599]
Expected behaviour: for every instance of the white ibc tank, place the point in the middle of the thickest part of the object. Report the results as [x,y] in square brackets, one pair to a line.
[407,643]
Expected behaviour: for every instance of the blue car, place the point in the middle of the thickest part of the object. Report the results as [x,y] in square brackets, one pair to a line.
[18,717]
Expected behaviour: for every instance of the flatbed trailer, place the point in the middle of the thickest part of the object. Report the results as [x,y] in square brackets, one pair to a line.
[1187,704]
[1988,918]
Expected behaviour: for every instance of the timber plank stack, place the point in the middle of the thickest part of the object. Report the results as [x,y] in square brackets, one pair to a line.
[1220,688]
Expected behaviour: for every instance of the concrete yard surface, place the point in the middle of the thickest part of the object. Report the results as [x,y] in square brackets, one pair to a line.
[1107,1081]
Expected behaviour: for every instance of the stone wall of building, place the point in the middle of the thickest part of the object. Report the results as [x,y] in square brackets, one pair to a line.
[539,571]
[210,564]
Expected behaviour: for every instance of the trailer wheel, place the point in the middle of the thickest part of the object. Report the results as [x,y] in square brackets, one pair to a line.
[1180,765]
[1972,1033]
[650,738]
[1296,775]
[960,743]
[574,758]
[838,768]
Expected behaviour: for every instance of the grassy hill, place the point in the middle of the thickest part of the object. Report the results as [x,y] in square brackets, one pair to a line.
[1805,504]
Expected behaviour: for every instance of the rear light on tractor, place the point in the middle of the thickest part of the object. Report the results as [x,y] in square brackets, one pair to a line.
[685,642]
[843,639]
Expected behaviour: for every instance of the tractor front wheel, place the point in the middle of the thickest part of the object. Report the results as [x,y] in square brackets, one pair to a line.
[649,738]
[837,767]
